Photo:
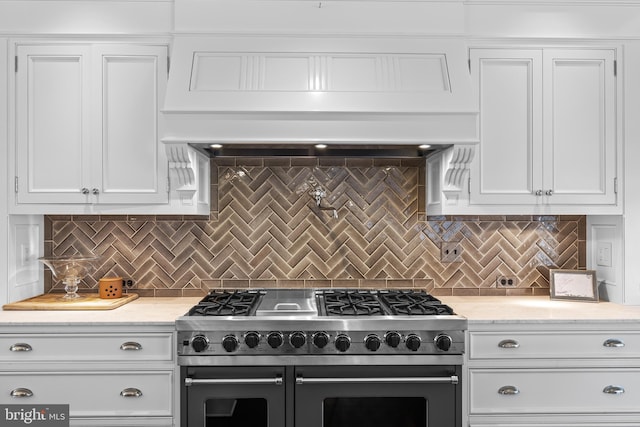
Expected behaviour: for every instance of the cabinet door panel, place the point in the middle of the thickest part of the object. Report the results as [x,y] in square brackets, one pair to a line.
[133,164]
[579,126]
[51,125]
[509,85]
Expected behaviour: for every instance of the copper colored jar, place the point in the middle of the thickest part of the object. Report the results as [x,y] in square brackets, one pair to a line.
[110,287]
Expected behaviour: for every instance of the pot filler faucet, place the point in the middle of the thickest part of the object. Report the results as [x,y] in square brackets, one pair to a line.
[318,194]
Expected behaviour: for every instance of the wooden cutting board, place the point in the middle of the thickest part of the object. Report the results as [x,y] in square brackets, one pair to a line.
[53,302]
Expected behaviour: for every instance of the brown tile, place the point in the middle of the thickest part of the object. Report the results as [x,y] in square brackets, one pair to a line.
[258,283]
[196,218]
[465,292]
[211,284]
[400,283]
[540,291]
[359,163]
[139,218]
[235,283]
[304,161]
[277,161]
[345,283]
[317,283]
[148,292]
[169,218]
[223,161]
[331,161]
[520,292]
[418,162]
[87,218]
[249,161]
[373,283]
[582,255]
[290,284]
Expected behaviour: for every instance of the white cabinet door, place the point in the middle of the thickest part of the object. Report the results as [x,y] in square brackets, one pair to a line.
[132,167]
[53,102]
[507,166]
[87,124]
[547,128]
[579,126]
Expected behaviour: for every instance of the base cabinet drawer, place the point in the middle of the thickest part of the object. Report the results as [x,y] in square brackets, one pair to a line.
[548,344]
[93,394]
[90,348]
[554,391]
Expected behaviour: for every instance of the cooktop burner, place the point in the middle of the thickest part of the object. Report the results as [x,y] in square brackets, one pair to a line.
[350,303]
[413,303]
[227,303]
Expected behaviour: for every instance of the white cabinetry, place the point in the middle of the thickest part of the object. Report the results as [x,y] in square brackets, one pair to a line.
[548,132]
[107,378]
[553,374]
[87,124]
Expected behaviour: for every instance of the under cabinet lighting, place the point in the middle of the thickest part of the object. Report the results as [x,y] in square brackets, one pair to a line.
[424,146]
[215,146]
[321,146]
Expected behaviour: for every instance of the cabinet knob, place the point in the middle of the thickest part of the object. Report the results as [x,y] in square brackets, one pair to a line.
[20,346]
[95,191]
[131,392]
[21,392]
[85,190]
[508,390]
[539,193]
[509,344]
[613,342]
[549,193]
[613,389]
[131,346]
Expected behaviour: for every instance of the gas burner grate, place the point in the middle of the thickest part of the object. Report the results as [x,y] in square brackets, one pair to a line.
[351,303]
[412,303]
[226,303]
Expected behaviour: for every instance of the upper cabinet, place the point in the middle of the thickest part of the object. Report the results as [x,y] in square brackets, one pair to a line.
[88,124]
[548,140]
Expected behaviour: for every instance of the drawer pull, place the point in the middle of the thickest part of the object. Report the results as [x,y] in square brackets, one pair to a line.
[613,342]
[131,392]
[613,389]
[509,344]
[20,346]
[21,392]
[508,390]
[131,346]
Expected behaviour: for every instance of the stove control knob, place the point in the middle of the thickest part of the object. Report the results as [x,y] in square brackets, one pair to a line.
[392,339]
[413,342]
[252,339]
[199,343]
[297,339]
[443,342]
[343,343]
[320,339]
[275,339]
[230,343]
[372,342]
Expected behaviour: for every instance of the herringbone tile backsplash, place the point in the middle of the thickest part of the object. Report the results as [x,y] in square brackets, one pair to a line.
[266,230]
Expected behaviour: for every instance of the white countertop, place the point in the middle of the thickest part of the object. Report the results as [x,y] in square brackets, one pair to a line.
[162,310]
[536,309]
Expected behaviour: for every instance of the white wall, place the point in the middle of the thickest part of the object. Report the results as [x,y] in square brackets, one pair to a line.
[4,186]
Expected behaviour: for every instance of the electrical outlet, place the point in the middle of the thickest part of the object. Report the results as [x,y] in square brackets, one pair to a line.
[450,252]
[506,282]
[128,284]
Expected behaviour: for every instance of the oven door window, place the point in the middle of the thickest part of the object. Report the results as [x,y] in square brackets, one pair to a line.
[374,411]
[236,412]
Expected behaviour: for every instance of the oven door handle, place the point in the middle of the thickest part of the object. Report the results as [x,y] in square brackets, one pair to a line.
[453,379]
[233,381]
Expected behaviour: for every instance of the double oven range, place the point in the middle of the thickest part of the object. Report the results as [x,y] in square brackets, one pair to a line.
[320,358]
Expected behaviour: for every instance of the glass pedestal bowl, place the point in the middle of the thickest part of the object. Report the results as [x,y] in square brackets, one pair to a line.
[70,269]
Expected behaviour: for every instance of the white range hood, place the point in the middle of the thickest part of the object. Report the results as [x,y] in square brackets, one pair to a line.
[287,89]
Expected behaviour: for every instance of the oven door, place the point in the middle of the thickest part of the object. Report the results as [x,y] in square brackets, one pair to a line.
[232,397]
[377,396]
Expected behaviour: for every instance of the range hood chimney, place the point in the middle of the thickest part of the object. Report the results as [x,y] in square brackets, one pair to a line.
[301,89]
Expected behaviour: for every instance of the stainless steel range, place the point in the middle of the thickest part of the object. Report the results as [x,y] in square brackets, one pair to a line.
[321,358]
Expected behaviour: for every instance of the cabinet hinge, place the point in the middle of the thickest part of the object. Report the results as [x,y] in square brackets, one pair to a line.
[615,185]
[16,184]
[168,185]
[16,63]
[469,64]
[168,64]
[469,186]
[615,67]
